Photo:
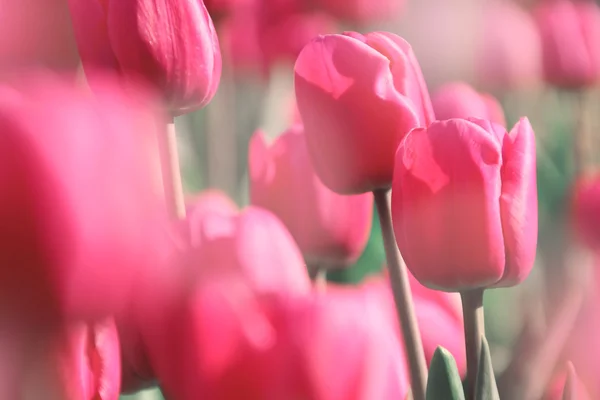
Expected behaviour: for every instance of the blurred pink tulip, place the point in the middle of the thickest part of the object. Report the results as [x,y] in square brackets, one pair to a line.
[36,33]
[570,32]
[252,242]
[583,345]
[363,11]
[225,342]
[509,54]
[467,189]
[171,44]
[459,100]
[356,114]
[79,212]
[586,210]
[329,228]
[557,388]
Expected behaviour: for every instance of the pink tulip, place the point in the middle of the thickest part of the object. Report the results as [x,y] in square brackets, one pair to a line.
[356,113]
[254,243]
[171,44]
[557,388]
[328,227]
[464,203]
[509,53]
[363,11]
[586,210]
[570,32]
[80,211]
[459,100]
[225,342]
[367,364]
[36,33]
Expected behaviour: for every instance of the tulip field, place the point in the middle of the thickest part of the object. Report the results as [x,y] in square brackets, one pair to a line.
[299,200]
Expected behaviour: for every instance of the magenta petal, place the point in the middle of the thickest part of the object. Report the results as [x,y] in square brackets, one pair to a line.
[518,202]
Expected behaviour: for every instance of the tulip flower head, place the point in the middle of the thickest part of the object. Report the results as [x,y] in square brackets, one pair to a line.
[586,210]
[509,52]
[328,227]
[356,113]
[464,203]
[170,44]
[570,32]
[79,205]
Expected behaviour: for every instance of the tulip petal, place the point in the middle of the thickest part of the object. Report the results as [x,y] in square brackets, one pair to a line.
[518,202]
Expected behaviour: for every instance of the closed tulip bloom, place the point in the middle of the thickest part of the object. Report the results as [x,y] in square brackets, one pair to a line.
[226,342]
[328,227]
[252,242]
[464,204]
[570,32]
[171,44]
[586,210]
[508,54]
[79,206]
[356,114]
[459,100]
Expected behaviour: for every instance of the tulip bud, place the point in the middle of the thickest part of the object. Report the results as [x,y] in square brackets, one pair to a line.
[586,210]
[327,226]
[464,204]
[171,44]
[356,113]
[459,100]
[570,32]
[79,208]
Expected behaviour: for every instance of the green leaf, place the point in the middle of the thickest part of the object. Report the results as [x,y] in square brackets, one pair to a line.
[444,381]
[486,388]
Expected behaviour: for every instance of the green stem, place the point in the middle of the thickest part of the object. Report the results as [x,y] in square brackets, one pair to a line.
[472,304]
[402,298]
